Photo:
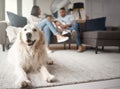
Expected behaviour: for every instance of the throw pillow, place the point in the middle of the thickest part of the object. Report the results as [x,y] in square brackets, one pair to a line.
[16,20]
[97,24]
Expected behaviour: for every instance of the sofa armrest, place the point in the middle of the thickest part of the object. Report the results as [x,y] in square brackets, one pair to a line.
[111,28]
[3,26]
[6,22]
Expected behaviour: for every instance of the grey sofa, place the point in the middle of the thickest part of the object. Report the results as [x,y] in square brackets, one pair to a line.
[5,43]
[95,39]
[102,38]
[69,42]
[95,33]
[110,37]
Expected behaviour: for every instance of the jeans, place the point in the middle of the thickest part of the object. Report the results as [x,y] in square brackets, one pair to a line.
[47,34]
[46,22]
[47,27]
[75,27]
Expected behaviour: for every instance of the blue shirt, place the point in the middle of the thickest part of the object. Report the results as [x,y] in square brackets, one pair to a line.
[66,20]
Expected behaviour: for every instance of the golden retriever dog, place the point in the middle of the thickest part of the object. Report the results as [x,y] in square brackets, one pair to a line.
[27,54]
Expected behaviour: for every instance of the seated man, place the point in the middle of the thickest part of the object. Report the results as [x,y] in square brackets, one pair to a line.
[68,22]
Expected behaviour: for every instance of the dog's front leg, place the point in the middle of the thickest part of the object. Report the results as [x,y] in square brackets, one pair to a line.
[23,80]
[49,61]
[46,75]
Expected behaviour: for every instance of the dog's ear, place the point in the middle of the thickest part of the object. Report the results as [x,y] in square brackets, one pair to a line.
[42,39]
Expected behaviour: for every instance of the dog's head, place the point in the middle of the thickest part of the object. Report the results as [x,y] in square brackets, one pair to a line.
[31,35]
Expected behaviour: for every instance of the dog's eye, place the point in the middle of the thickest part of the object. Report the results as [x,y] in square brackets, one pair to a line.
[25,29]
[34,30]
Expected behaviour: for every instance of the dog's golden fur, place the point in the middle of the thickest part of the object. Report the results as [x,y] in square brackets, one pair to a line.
[27,58]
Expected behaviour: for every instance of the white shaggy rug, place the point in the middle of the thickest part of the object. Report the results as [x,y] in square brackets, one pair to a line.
[69,67]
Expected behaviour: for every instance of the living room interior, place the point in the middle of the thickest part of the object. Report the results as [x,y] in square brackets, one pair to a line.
[98,67]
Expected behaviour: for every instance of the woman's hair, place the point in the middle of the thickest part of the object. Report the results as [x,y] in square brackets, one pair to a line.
[34,11]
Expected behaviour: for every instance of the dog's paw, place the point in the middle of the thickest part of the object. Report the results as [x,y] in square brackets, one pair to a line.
[50,62]
[24,83]
[51,78]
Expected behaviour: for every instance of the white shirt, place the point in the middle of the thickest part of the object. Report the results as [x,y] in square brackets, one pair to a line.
[34,20]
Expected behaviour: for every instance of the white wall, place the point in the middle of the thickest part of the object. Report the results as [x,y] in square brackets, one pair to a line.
[10,6]
[26,7]
[94,8]
[7,5]
[108,8]
[45,5]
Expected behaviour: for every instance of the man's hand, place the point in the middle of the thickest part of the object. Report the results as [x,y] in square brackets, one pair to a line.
[50,19]
[63,26]
[80,21]
[66,26]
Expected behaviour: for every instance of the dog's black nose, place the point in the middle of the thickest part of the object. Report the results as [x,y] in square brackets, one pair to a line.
[29,35]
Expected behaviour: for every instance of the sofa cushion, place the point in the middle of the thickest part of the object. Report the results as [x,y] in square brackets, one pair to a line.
[107,35]
[15,20]
[97,24]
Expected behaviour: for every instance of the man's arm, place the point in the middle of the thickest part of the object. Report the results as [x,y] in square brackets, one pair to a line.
[63,26]
[67,25]
[80,21]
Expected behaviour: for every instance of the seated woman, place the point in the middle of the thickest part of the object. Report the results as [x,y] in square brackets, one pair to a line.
[45,25]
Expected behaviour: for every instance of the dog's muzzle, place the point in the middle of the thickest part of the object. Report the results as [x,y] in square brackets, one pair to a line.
[29,35]
[30,42]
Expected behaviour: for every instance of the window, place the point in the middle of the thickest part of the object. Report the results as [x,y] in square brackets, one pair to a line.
[20,7]
[10,6]
[26,7]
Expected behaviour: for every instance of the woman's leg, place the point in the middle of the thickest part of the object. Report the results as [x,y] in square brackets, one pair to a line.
[47,34]
[46,22]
